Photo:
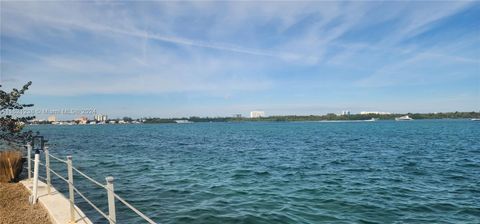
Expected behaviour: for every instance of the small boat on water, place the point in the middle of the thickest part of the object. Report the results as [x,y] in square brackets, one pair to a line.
[183,121]
[403,118]
[475,119]
[372,119]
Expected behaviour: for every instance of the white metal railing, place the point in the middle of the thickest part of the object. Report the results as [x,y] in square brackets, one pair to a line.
[111,195]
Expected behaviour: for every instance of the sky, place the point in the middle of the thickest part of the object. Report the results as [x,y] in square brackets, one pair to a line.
[173,59]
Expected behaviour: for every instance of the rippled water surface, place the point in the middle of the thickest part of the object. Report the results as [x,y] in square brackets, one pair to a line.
[305,172]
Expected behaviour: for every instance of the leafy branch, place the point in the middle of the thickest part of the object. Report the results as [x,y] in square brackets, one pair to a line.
[11,127]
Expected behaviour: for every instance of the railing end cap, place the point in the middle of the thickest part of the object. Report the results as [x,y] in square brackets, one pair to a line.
[109,179]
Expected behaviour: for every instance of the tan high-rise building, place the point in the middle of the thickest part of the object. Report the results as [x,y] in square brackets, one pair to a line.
[82,120]
[52,118]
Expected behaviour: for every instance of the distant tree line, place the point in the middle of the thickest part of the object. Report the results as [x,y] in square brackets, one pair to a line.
[330,116]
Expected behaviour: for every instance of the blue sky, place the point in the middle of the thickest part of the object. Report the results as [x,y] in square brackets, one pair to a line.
[172,59]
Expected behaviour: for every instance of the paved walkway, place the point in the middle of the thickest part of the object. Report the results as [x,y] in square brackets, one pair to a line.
[57,205]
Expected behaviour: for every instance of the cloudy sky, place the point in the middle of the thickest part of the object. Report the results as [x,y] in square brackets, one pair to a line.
[215,59]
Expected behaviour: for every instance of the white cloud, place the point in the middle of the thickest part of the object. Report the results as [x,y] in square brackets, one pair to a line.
[145,49]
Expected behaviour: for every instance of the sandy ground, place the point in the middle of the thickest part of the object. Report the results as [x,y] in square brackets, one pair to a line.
[14,206]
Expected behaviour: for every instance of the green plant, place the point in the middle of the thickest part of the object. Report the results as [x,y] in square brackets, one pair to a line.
[11,127]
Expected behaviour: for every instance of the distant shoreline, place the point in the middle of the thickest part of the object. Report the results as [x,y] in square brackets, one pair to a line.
[283,118]
[320,118]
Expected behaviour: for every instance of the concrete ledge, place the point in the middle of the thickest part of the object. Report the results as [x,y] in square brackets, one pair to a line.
[57,205]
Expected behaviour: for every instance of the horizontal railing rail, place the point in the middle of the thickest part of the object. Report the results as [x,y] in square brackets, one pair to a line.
[111,216]
[134,209]
[93,205]
[90,179]
[58,159]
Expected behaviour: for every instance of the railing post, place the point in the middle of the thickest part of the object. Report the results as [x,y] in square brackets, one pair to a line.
[70,189]
[111,200]
[47,171]
[33,198]
[29,160]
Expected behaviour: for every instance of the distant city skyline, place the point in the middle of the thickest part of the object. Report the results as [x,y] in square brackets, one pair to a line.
[181,59]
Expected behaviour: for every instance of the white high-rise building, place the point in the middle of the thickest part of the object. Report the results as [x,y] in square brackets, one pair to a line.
[374,112]
[101,118]
[257,114]
[345,112]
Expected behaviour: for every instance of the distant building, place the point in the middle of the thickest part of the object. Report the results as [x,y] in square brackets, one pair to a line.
[238,115]
[345,112]
[35,121]
[101,118]
[374,112]
[257,114]
[82,120]
[52,118]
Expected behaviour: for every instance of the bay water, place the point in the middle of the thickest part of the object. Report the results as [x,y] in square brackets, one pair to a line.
[422,171]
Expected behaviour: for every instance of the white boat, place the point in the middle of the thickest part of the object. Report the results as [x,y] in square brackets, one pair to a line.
[475,119]
[183,121]
[403,118]
[372,119]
